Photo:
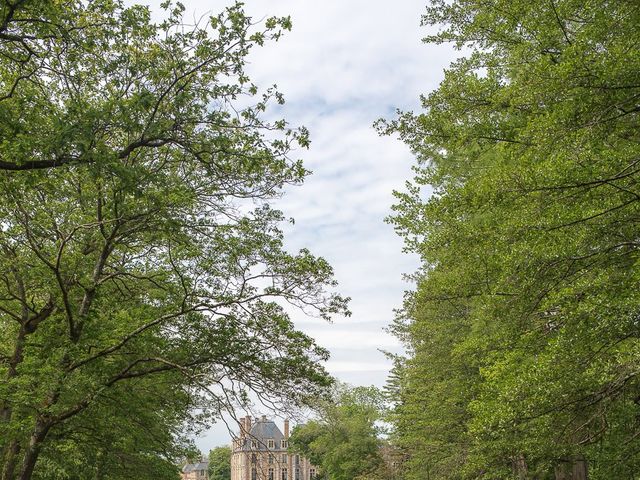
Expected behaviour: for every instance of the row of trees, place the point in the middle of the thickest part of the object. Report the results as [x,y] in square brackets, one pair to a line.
[143,276]
[143,279]
[523,335]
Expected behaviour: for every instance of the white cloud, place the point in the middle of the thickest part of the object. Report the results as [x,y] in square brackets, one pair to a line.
[355,367]
[354,340]
[345,64]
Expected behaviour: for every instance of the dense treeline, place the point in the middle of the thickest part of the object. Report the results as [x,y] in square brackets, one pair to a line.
[523,335]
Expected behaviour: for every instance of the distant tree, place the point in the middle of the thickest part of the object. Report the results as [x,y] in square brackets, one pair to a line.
[523,333]
[143,275]
[220,463]
[344,441]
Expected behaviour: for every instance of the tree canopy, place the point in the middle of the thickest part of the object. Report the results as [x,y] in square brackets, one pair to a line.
[522,336]
[220,463]
[144,286]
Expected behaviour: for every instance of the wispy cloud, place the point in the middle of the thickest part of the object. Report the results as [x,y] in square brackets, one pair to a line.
[345,64]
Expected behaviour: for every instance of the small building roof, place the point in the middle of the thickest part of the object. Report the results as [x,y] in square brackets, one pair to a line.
[195,467]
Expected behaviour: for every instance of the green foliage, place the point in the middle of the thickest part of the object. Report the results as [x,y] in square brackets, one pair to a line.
[220,463]
[523,333]
[143,276]
[344,442]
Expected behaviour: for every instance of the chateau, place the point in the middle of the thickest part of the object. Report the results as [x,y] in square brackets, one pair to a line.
[260,453]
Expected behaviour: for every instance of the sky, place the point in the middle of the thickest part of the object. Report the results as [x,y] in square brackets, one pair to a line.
[345,64]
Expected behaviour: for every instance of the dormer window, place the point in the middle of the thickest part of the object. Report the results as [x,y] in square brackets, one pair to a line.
[283,444]
[254,444]
[270,444]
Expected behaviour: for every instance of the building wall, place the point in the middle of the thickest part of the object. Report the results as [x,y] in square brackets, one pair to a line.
[277,462]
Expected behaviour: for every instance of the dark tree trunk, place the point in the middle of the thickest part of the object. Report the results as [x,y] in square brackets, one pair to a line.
[9,454]
[10,459]
[572,469]
[520,468]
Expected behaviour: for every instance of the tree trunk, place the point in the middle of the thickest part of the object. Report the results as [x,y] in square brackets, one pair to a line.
[10,460]
[32,451]
[572,469]
[520,468]
[12,371]
[9,454]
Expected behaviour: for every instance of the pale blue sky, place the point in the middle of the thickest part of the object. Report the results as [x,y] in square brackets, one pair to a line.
[345,64]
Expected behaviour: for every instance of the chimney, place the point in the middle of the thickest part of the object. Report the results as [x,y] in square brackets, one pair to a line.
[245,426]
[286,428]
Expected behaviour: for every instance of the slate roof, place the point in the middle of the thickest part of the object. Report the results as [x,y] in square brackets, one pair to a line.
[194,467]
[262,431]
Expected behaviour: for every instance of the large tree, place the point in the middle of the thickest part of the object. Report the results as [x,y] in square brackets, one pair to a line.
[523,339]
[144,287]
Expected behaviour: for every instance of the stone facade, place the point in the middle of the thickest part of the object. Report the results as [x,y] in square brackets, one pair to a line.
[260,453]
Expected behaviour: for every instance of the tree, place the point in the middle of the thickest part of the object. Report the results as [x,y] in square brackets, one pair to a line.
[522,335]
[143,278]
[344,442]
[220,463]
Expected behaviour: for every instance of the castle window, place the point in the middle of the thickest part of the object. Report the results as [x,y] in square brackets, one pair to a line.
[284,474]
[270,459]
[283,444]
[284,458]
[297,474]
[312,473]
[254,444]
[270,444]
[271,477]
[254,458]
[254,474]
